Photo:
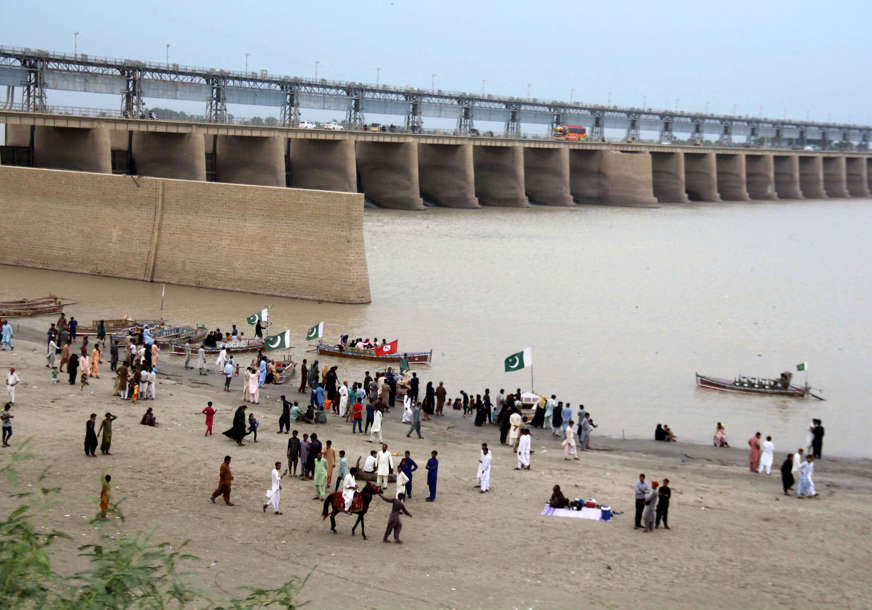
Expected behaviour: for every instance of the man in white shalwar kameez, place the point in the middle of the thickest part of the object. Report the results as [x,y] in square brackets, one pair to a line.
[806,485]
[384,465]
[376,426]
[222,358]
[484,468]
[524,450]
[767,456]
[797,462]
[407,409]
[200,363]
[515,429]
[343,399]
[274,493]
[349,487]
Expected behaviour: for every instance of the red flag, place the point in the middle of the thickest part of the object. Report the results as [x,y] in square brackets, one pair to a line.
[387,348]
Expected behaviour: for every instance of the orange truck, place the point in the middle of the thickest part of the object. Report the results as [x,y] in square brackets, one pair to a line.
[573,133]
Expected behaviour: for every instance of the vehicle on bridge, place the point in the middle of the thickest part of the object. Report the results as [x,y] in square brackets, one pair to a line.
[571,133]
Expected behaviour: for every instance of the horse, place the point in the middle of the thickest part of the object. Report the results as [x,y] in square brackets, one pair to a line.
[359,506]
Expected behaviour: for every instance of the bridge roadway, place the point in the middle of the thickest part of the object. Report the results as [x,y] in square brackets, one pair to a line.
[400,170]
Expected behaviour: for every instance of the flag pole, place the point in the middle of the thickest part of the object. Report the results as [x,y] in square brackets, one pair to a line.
[531,379]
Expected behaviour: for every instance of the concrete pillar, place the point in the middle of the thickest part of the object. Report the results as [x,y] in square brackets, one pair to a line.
[701,176]
[811,177]
[786,175]
[835,178]
[170,155]
[667,169]
[17,135]
[499,176]
[72,148]
[119,140]
[613,178]
[447,174]
[857,176]
[250,160]
[731,177]
[869,171]
[389,174]
[760,176]
[546,176]
[326,165]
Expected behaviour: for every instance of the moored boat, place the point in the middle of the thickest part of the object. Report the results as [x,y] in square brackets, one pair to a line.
[249,345]
[167,335]
[32,307]
[753,385]
[370,354]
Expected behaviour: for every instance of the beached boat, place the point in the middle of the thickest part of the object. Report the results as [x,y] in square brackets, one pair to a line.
[370,354]
[32,307]
[114,327]
[753,385]
[249,345]
[166,335]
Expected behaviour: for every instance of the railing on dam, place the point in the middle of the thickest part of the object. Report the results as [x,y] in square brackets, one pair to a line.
[36,71]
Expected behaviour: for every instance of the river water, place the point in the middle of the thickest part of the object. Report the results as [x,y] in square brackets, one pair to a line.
[620,305]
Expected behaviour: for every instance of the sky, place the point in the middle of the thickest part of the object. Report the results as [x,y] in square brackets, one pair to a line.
[802,60]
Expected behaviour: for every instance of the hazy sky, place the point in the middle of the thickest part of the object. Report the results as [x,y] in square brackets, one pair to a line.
[807,59]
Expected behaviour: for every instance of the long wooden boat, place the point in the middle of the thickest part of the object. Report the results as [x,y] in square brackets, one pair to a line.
[752,385]
[250,345]
[32,307]
[168,335]
[115,327]
[369,354]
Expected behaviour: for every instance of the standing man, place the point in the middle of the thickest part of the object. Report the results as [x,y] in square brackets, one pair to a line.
[806,485]
[441,393]
[320,478]
[330,456]
[6,417]
[524,450]
[304,377]
[314,453]
[293,453]
[201,361]
[586,427]
[343,469]
[663,494]
[754,453]
[414,383]
[569,443]
[113,355]
[285,417]
[409,467]
[370,414]
[6,335]
[817,440]
[106,432]
[52,334]
[415,426]
[187,354]
[650,508]
[224,479]
[304,457]
[642,489]
[209,412]
[91,436]
[514,429]
[51,354]
[12,380]
[484,468]
[565,418]
[394,523]
[767,457]
[274,493]
[357,417]
[432,474]
[228,374]
[376,426]
[384,466]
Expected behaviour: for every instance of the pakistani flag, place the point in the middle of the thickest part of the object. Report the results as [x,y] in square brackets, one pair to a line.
[316,332]
[279,341]
[262,315]
[802,366]
[519,361]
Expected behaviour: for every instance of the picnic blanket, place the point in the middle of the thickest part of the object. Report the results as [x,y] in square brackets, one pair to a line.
[594,514]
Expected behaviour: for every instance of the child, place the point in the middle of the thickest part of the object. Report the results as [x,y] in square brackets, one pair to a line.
[394,523]
[209,412]
[54,374]
[104,496]
[252,426]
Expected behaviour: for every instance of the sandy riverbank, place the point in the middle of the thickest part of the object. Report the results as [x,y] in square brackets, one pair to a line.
[735,539]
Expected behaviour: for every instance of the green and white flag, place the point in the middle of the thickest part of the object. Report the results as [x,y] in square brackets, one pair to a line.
[802,366]
[316,332]
[519,361]
[262,315]
[279,341]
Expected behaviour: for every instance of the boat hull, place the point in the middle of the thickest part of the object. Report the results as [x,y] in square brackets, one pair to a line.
[725,385]
[412,357]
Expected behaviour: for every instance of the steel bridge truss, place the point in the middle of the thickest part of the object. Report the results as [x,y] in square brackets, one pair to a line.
[34,72]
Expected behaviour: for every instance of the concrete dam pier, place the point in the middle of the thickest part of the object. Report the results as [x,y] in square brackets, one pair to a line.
[399,170]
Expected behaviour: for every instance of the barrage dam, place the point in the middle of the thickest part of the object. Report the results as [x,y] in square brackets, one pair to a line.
[269,170]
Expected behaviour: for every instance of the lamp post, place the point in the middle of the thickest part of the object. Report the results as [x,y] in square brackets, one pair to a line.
[483,84]
[168,45]
[433,82]
[571,95]
[377,76]
[528,90]
[246,62]
[75,44]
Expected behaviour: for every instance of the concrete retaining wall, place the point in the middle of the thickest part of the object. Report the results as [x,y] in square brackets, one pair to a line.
[786,175]
[760,176]
[388,174]
[811,177]
[857,176]
[447,174]
[499,176]
[546,176]
[701,176]
[248,160]
[667,171]
[165,231]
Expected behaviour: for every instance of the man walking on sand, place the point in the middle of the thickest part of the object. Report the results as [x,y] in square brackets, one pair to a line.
[304,377]
[394,523]
[663,496]
[209,412]
[642,489]
[376,426]
[754,452]
[484,468]
[12,380]
[274,493]
[416,420]
[224,480]
[767,457]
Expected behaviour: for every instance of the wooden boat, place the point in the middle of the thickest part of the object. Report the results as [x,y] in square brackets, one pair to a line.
[249,345]
[369,354]
[32,307]
[167,335]
[115,327]
[753,385]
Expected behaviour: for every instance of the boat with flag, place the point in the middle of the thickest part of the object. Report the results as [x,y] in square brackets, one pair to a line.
[381,353]
[232,347]
[760,385]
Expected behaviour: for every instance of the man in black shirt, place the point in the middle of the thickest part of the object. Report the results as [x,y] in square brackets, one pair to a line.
[817,441]
[664,493]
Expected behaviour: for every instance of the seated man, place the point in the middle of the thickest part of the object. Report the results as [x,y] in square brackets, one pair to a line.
[558,500]
[371,461]
[309,417]
[295,412]
[659,433]
[148,418]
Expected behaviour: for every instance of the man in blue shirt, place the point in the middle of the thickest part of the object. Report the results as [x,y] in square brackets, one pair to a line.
[642,490]
[370,415]
[566,415]
[432,473]
[409,467]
